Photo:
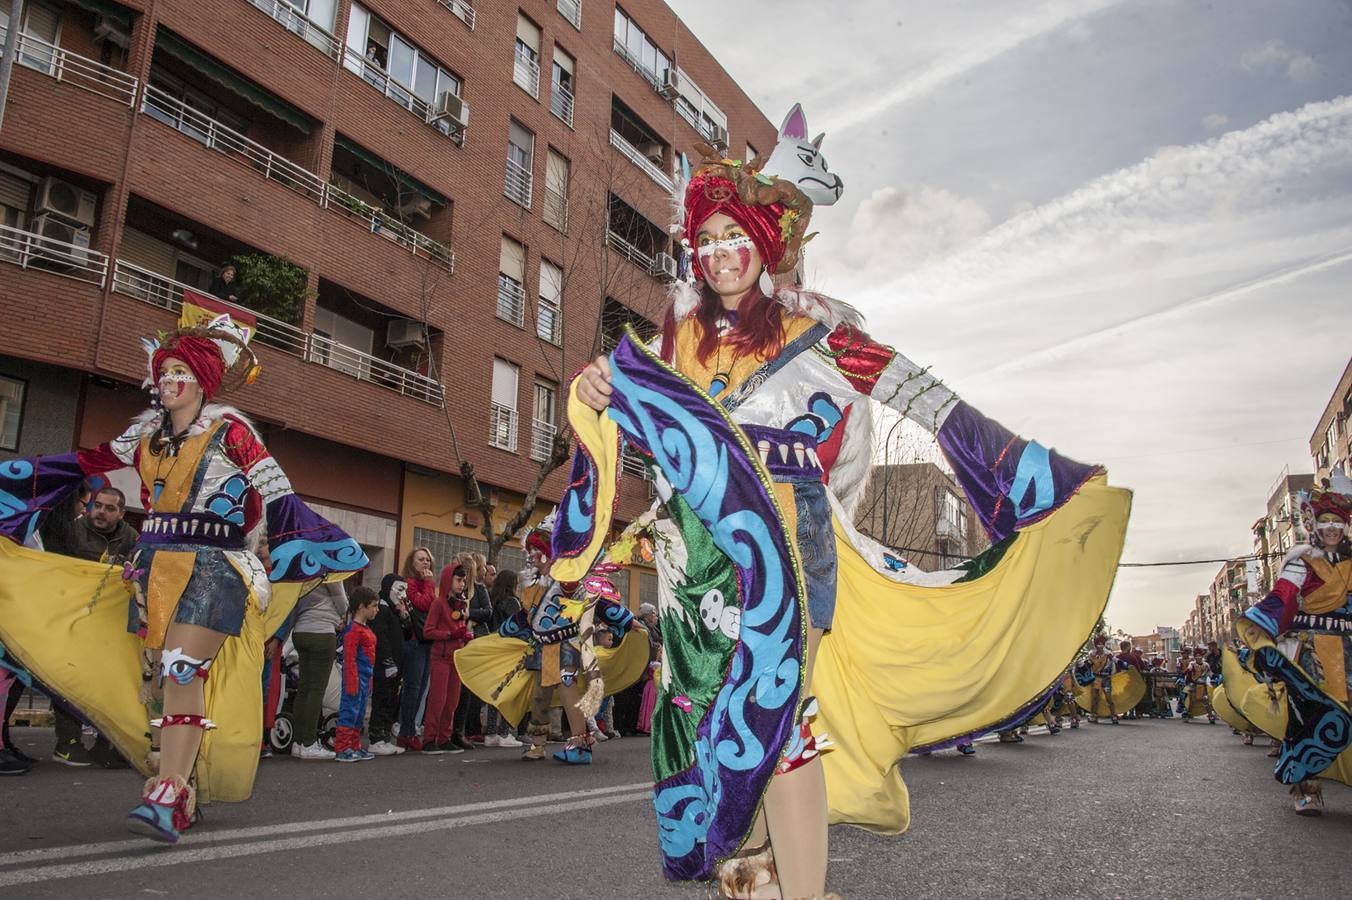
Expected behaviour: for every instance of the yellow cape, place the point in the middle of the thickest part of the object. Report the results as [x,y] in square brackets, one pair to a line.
[65,620]
[485,661]
[1128,690]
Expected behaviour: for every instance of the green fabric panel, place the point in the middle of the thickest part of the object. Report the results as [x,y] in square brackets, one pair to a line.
[977,566]
[390,169]
[695,656]
[226,77]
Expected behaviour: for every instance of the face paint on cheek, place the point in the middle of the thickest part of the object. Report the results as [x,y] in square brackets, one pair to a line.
[744,258]
[175,384]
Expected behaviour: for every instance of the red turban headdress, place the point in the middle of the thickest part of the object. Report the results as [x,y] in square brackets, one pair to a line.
[1330,502]
[201,355]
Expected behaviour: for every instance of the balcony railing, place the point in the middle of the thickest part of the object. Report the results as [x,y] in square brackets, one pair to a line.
[548,322]
[375,76]
[415,242]
[631,153]
[33,251]
[74,70]
[166,293]
[511,300]
[300,25]
[518,183]
[631,463]
[526,72]
[572,11]
[541,439]
[502,427]
[638,65]
[561,104]
[629,251]
[555,210]
[173,112]
[462,10]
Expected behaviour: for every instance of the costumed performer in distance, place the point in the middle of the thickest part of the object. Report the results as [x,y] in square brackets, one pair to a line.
[743,408]
[199,593]
[1311,599]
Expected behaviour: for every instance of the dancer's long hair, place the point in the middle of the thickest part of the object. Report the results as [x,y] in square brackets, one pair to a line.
[759,330]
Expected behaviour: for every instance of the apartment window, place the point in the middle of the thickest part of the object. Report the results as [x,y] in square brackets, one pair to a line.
[572,11]
[526,67]
[344,345]
[502,409]
[562,80]
[750,152]
[511,281]
[640,52]
[12,391]
[520,153]
[556,190]
[15,196]
[396,67]
[696,108]
[549,313]
[542,421]
[42,23]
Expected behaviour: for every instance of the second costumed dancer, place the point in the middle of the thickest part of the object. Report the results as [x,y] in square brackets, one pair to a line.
[781,623]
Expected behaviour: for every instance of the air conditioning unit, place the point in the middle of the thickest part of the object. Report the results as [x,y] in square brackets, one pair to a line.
[61,198]
[718,138]
[60,244]
[671,84]
[450,106]
[663,264]
[400,334]
[653,151]
[112,31]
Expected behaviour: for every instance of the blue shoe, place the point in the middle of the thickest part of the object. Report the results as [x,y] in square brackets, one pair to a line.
[348,756]
[154,816]
[966,749]
[364,755]
[574,756]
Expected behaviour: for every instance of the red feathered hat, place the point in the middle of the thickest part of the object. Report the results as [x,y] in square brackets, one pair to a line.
[1333,503]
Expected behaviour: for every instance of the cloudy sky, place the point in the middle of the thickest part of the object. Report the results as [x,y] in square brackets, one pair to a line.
[1124,229]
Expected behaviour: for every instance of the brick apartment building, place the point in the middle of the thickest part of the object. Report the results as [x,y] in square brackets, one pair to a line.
[1331,442]
[919,509]
[458,269]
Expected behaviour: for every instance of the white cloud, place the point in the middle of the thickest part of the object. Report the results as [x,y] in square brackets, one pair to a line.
[1215,121]
[1276,56]
[895,228]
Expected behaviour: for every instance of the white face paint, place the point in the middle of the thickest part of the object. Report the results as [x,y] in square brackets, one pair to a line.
[399,592]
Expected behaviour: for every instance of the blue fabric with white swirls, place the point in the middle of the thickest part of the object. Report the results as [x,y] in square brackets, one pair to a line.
[303,545]
[705,811]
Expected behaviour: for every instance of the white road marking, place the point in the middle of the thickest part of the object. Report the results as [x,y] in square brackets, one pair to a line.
[174,857]
[227,835]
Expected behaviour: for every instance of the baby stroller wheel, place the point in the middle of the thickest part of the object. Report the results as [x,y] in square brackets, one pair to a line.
[282,733]
[328,730]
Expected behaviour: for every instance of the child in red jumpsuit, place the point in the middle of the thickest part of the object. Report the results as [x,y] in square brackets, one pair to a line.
[359,653]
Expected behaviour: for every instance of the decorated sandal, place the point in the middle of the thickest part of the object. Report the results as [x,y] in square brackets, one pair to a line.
[750,870]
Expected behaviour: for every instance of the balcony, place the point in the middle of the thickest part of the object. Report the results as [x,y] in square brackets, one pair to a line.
[555,210]
[298,24]
[375,76]
[502,427]
[511,301]
[77,71]
[636,256]
[69,260]
[631,153]
[526,71]
[379,223]
[561,104]
[165,293]
[541,439]
[517,185]
[462,10]
[176,114]
[572,11]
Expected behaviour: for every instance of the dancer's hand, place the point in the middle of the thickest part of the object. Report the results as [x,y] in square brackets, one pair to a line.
[593,385]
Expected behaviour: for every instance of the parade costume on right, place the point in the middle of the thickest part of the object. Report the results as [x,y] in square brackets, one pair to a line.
[1309,600]
[757,460]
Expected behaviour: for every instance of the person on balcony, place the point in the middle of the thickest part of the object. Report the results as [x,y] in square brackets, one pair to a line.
[224,284]
[183,627]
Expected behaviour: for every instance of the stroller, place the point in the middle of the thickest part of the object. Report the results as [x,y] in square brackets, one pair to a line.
[283,732]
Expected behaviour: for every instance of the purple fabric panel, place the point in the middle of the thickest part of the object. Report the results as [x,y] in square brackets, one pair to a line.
[305,545]
[1010,482]
[1017,718]
[31,488]
[576,518]
[705,811]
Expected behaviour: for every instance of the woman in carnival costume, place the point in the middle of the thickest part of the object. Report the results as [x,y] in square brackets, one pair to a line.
[1310,603]
[774,609]
[199,613]
[1196,700]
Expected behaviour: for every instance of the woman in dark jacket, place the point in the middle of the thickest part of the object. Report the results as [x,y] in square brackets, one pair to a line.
[422,593]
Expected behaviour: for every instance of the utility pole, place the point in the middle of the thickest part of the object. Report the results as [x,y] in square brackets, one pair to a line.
[16,11]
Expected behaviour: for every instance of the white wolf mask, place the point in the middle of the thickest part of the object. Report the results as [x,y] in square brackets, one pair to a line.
[800,161]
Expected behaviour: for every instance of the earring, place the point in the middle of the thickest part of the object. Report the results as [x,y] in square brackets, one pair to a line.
[766,283]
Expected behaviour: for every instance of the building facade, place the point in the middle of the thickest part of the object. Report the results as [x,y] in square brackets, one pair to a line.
[921,511]
[1331,442]
[425,281]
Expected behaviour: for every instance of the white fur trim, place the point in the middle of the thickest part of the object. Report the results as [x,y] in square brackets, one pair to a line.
[827,310]
[854,462]
[148,422]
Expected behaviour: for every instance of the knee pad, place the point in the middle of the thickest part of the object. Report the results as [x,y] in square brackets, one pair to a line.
[181,667]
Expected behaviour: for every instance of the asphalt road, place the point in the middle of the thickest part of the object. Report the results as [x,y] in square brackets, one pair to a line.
[1146,809]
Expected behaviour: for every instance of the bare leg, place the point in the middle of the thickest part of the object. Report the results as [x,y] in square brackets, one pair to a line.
[795,813]
[179,744]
